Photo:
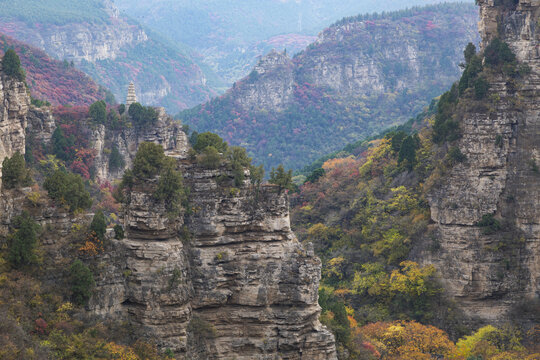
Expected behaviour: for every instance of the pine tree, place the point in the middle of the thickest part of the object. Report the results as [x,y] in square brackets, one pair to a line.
[24,241]
[11,65]
[82,282]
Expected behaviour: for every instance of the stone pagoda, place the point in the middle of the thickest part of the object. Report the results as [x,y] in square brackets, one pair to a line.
[131,96]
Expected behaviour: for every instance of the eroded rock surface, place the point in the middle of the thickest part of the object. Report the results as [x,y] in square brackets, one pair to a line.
[492,274]
[14,104]
[228,280]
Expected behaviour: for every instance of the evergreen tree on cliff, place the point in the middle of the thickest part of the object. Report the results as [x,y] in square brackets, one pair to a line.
[11,64]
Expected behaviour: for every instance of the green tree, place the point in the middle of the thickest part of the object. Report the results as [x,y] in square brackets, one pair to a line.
[281,178]
[256,174]
[118,232]
[14,172]
[170,188]
[121,109]
[62,146]
[315,175]
[204,140]
[469,52]
[498,53]
[210,158]
[82,282]
[116,161]
[11,65]
[99,225]
[407,151]
[98,112]
[142,115]
[481,87]
[397,140]
[68,188]
[239,161]
[23,242]
[148,161]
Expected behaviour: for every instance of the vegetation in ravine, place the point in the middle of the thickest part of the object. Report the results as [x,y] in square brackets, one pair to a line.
[365,208]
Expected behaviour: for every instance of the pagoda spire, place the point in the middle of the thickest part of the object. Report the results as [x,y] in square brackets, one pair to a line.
[131,96]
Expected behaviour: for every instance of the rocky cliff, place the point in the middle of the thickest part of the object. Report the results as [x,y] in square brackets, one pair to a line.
[165,132]
[493,273]
[226,280]
[112,49]
[362,75]
[14,104]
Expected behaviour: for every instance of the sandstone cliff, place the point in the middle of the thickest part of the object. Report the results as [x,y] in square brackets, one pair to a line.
[490,273]
[228,280]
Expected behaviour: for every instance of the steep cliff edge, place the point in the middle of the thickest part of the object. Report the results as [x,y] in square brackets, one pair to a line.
[228,279]
[489,271]
[166,132]
[14,104]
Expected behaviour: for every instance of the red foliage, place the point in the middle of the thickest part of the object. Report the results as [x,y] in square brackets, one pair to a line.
[40,326]
[52,80]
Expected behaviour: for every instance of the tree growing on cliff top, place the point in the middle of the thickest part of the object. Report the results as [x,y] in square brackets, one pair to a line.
[281,178]
[207,139]
[68,189]
[98,112]
[142,115]
[11,64]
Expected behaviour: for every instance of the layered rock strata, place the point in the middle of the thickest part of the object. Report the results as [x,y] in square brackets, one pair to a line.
[494,273]
[14,105]
[229,280]
[166,132]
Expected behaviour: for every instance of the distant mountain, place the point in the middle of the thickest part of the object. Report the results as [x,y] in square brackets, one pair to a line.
[52,80]
[231,34]
[362,74]
[111,48]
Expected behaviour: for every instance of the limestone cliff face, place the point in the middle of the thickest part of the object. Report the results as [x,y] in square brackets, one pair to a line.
[252,280]
[14,104]
[84,41]
[228,280]
[270,85]
[165,132]
[489,274]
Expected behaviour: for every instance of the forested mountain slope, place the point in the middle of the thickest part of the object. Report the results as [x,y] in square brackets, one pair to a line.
[230,35]
[111,48]
[57,82]
[361,75]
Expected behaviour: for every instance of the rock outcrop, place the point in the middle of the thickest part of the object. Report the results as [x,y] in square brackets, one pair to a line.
[270,85]
[494,274]
[14,105]
[226,280]
[166,132]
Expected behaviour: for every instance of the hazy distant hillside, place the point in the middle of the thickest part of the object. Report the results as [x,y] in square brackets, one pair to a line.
[111,48]
[231,34]
[360,76]
[52,80]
